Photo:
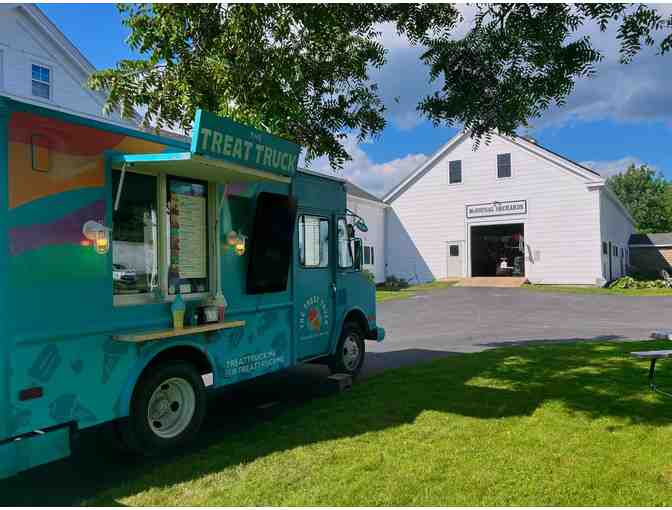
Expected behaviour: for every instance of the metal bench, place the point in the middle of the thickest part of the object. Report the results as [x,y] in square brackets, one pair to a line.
[654,356]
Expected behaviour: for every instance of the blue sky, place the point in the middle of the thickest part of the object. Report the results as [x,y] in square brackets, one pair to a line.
[623,115]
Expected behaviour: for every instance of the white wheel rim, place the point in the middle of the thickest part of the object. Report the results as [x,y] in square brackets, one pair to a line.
[351,352]
[171,407]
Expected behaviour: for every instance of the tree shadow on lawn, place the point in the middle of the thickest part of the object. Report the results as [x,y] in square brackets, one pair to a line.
[595,380]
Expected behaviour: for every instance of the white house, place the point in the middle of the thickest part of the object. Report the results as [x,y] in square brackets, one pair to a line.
[39,65]
[509,208]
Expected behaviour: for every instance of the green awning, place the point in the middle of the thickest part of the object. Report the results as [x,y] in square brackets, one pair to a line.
[194,166]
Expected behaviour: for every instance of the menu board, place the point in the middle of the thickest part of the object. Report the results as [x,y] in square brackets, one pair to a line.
[188,234]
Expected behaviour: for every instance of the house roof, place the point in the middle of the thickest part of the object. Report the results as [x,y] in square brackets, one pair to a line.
[659,239]
[356,191]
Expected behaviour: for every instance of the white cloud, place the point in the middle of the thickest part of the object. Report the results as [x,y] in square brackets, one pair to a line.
[607,168]
[376,178]
[635,92]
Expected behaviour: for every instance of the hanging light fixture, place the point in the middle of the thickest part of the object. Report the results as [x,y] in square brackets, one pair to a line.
[240,245]
[99,234]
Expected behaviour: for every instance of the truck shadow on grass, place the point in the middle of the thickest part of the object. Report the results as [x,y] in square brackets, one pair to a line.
[594,379]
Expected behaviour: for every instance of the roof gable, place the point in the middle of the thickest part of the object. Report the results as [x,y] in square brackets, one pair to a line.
[523,144]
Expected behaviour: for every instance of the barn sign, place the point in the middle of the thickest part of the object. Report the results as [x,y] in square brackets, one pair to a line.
[496,209]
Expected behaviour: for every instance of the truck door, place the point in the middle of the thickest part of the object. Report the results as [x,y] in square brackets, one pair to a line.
[314,285]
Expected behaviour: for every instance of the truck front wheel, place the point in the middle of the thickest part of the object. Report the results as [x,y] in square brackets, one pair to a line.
[167,409]
[349,356]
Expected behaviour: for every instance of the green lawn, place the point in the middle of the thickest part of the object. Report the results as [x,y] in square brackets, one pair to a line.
[554,424]
[598,290]
[387,295]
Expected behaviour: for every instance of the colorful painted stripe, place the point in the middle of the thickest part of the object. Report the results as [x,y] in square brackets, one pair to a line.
[65,230]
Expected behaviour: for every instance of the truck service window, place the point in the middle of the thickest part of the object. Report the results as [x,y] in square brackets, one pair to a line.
[134,235]
[271,243]
[313,241]
[344,246]
[187,242]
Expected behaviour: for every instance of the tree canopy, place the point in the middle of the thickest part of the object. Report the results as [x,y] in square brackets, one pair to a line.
[647,195]
[302,71]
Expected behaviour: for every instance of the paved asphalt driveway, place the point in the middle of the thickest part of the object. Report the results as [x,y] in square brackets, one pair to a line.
[437,324]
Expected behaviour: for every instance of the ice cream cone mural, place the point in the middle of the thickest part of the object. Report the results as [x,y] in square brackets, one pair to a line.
[67,407]
[113,351]
[45,364]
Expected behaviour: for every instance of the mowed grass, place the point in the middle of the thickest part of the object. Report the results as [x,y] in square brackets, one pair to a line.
[554,424]
[387,295]
[597,290]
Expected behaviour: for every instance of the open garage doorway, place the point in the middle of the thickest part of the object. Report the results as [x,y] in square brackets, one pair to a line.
[498,250]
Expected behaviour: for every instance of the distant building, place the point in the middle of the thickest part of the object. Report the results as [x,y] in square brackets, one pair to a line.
[510,208]
[651,253]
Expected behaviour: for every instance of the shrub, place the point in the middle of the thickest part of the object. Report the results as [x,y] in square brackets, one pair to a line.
[628,282]
[394,283]
[369,275]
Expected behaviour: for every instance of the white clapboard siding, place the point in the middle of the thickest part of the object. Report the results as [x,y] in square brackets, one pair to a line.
[562,224]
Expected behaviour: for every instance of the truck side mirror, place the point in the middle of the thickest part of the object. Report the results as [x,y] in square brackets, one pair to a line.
[358,249]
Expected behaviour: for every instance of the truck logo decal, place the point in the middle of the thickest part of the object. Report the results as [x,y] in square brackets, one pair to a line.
[314,315]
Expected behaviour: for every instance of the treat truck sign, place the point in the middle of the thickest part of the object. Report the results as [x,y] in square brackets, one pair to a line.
[496,209]
[225,139]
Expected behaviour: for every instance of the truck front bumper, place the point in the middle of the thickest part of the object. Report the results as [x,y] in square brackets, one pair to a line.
[377,334]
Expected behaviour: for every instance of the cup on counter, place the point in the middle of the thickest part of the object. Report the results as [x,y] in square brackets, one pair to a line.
[178,308]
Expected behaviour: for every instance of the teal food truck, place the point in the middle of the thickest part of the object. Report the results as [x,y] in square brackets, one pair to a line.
[135,267]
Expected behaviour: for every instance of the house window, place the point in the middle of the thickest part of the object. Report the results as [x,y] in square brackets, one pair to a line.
[345,258]
[41,81]
[605,250]
[503,166]
[313,241]
[614,251]
[134,235]
[373,259]
[455,172]
[368,255]
[454,250]
[187,236]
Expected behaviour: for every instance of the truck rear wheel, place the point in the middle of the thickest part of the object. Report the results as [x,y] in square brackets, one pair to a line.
[167,409]
[349,355]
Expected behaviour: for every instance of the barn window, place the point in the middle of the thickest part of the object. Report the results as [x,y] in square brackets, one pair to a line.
[367,255]
[455,172]
[503,166]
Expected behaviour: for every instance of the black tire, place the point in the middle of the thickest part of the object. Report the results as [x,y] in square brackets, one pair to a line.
[339,362]
[174,377]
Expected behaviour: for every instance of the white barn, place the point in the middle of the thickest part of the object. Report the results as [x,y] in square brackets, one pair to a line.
[509,208]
